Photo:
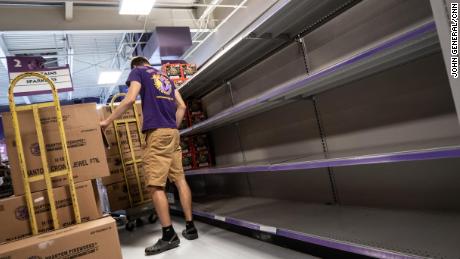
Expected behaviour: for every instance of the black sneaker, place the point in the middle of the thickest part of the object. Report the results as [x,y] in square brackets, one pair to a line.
[162,246]
[190,234]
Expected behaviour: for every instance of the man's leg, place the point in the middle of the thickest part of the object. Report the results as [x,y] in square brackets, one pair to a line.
[157,161]
[185,198]
[169,239]
[161,205]
[176,175]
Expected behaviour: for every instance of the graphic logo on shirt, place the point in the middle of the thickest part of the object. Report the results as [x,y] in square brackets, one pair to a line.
[162,83]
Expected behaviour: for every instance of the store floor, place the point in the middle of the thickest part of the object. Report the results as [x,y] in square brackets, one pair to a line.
[213,243]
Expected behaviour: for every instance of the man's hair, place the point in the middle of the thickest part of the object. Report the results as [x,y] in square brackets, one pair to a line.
[139,61]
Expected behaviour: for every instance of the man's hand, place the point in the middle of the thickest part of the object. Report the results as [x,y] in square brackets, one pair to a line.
[104,124]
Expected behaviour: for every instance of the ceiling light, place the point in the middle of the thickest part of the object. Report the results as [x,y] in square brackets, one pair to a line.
[109,77]
[136,7]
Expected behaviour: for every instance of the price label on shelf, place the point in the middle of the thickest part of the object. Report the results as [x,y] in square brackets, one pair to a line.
[220,218]
[267,229]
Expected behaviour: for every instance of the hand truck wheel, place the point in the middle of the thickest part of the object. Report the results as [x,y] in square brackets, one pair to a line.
[130,226]
[139,222]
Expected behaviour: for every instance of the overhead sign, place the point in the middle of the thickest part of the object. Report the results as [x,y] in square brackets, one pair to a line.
[32,85]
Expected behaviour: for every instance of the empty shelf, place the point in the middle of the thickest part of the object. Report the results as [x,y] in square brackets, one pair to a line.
[299,164]
[406,46]
[380,233]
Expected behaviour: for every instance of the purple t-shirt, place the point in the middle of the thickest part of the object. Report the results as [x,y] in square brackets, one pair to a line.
[158,98]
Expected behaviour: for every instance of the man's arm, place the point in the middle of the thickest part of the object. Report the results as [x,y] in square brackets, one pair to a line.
[181,107]
[128,101]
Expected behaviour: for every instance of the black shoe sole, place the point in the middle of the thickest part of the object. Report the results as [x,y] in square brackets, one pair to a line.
[190,236]
[166,248]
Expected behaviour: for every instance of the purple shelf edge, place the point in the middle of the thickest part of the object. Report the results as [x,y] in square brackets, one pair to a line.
[348,247]
[343,246]
[229,170]
[428,27]
[418,155]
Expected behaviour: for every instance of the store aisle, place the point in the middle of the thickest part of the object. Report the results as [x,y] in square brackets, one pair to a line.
[213,243]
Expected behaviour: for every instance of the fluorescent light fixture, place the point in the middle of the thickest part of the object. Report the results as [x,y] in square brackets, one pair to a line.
[109,77]
[136,7]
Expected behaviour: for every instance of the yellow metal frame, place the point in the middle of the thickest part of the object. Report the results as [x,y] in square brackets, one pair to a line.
[47,175]
[132,159]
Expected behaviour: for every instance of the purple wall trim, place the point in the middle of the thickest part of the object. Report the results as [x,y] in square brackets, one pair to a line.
[416,155]
[300,83]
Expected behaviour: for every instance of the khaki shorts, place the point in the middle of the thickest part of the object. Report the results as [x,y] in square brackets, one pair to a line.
[162,157]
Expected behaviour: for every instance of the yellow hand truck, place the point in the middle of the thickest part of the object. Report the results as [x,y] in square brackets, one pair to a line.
[144,206]
[47,175]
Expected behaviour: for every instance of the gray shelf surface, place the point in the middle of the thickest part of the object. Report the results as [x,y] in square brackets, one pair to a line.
[266,34]
[334,160]
[380,233]
[416,42]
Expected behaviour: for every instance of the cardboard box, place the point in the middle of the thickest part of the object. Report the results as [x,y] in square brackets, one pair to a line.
[118,194]
[118,176]
[189,70]
[15,219]
[95,239]
[188,161]
[200,142]
[84,141]
[104,112]
[114,162]
[178,82]
[173,71]
[186,144]
[113,144]
[202,159]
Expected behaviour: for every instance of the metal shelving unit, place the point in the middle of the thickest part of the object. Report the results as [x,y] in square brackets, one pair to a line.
[279,26]
[313,163]
[372,232]
[404,47]
[297,210]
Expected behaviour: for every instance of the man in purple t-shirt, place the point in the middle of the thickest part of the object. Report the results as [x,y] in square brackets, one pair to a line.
[163,110]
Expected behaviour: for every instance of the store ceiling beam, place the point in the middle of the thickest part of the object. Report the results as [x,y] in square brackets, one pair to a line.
[229,29]
[88,18]
[114,3]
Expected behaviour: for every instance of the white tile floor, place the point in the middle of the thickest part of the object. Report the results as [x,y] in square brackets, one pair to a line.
[213,243]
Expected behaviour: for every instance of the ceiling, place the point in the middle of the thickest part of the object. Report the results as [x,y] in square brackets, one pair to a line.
[89,50]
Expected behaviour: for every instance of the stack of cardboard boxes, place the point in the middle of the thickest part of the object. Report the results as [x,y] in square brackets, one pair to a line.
[97,237]
[196,149]
[115,183]
[196,152]
[179,73]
